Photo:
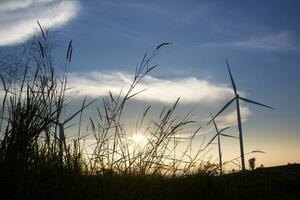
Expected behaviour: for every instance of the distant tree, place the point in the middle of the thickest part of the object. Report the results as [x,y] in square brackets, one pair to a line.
[252,163]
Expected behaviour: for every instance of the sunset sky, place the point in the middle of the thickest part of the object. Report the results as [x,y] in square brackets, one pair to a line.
[259,38]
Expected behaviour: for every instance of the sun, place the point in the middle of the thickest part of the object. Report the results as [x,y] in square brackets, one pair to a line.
[139,138]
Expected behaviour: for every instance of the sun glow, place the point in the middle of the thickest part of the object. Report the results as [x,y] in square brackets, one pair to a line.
[139,139]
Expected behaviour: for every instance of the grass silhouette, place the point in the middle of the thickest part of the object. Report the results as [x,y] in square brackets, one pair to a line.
[37,161]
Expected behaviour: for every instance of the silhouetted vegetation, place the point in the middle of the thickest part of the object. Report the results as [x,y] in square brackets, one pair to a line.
[252,163]
[37,161]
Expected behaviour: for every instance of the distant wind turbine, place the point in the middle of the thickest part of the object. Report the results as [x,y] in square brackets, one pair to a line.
[61,135]
[219,132]
[236,99]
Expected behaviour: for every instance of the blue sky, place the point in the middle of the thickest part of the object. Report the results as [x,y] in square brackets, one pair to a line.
[259,38]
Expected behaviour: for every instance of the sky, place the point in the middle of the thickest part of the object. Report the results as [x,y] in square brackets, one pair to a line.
[260,39]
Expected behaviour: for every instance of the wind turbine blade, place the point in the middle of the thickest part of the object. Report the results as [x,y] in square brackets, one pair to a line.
[71,125]
[212,118]
[223,129]
[231,78]
[76,113]
[224,107]
[254,102]
[210,141]
[228,135]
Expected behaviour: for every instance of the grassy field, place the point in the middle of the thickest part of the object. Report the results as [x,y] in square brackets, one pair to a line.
[38,162]
[281,182]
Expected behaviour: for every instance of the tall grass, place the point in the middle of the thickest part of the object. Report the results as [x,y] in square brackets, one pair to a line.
[33,133]
[38,161]
[31,108]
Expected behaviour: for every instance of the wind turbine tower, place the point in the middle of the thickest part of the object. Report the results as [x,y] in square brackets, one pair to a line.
[237,99]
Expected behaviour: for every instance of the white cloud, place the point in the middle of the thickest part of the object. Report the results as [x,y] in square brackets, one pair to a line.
[18,17]
[282,41]
[190,89]
[231,118]
[10,5]
[208,96]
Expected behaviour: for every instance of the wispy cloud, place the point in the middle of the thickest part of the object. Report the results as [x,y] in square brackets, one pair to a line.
[230,118]
[208,96]
[18,17]
[282,41]
[190,89]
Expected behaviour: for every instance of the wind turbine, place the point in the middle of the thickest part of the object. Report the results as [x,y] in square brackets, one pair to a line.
[237,99]
[61,135]
[219,132]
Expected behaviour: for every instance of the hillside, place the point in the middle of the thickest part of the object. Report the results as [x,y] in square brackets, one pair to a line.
[280,182]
